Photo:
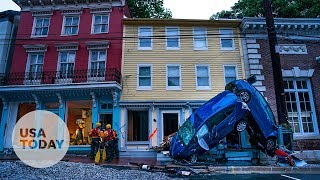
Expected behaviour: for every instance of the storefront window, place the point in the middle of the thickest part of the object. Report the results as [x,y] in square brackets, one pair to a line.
[25,108]
[79,121]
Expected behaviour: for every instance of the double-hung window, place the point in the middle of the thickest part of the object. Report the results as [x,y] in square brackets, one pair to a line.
[300,106]
[98,60]
[226,39]
[145,38]
[41,26]
[144,77]
[34,71]
[202,77]
[172,38]
[71,25]
[67,60]
[100,23]
[200,38]
[173,77]
[230,73]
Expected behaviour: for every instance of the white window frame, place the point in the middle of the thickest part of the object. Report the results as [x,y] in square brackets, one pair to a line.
[209,77]
[224,71]
[93,22]
[138,78]
[145,48]
[178,36]
[302,134]
[206,38]
[33,33]
[59,63]
[224,36]
[63,33]
[180,78]
[27,71]
[89,64]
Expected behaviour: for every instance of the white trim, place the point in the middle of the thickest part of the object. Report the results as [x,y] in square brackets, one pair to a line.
[63,24]
[65,80]
[178,36]
[151,74]
[93,22]
[226,37]
[224,73]
[180,78]
[89,64]
[169,111]
[206,36]
[34,26]
[151,31]
[196,77]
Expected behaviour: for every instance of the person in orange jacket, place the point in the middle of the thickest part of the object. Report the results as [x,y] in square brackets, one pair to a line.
[95,138]
[111,143]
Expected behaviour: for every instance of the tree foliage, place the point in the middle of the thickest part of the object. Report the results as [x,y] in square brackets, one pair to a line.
[281,9]
[148,9]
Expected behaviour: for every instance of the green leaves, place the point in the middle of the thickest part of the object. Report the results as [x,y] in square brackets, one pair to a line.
[148,9]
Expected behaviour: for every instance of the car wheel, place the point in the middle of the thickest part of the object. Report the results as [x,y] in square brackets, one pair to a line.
[244,95]
[271,145]
[193,158]
[241,125]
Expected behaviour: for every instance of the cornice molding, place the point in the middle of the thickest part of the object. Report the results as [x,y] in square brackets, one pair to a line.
[106,9]
[297,72]
[42,12]
[97,45]
[72,11]
[292,49]
[35,47]
[73,46]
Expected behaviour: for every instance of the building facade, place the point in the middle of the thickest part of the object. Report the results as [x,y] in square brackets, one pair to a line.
[170,68]
[299,49]
[67,60]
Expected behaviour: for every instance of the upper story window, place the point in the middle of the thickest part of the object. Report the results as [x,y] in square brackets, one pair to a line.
[70,25]
[230,73]
[172,38]
[100,23]
[173,77]
[34,67]
[41,26]
[300,106]
[200,38]
[144,77]
[145,38]
[226,39]
[202,77]
[66,66]
[97,63]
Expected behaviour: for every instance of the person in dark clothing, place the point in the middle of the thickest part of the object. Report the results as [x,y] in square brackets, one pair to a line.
[111,143]
[95,138]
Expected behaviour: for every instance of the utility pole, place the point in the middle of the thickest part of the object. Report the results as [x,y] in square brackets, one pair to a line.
[276,65]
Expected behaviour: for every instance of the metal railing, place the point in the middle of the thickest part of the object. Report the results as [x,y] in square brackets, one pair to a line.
[61,77]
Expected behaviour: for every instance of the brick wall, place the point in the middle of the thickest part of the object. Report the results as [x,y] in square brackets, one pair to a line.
[304,62]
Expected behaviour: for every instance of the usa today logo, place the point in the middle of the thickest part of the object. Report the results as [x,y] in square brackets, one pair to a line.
[40,139]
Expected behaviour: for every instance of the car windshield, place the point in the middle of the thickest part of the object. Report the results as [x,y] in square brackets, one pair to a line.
[219,117]
[186,132]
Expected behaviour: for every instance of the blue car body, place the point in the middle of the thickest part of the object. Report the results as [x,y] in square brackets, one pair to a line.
[209,124]
[262,121]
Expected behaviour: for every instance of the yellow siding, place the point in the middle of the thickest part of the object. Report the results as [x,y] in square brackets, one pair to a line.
[186,57]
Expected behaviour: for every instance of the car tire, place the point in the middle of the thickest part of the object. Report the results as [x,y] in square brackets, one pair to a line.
[271,145]
[244,95]
[241,125]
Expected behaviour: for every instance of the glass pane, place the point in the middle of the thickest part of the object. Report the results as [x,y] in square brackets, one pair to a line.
[68,21]
[144,81]
[75,21]
[94,55]
[203,81]
[102,56]
[172,42]
[46,22]
[63,57]
[71,57]
[173,81]
[39,23]
[38,31]
[145,32]
[40,59]
[172,32]
[145,42]
[289,85]
[230,79]
[102,65]
[200,43]
[173,71]
[68,30]
[33,59]
[230,71]
[45,31]
[202,71]
[144,71]
[94,65]
[75,30]
[226,43]
[97,28]
[199,32]
[104,28]
[104,19]
[97,19]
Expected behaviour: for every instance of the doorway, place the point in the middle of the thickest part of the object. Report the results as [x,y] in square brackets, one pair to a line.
[105,119]
[170,120]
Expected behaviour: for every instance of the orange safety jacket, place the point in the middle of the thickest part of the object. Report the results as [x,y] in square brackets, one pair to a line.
[94,133]
[109,135]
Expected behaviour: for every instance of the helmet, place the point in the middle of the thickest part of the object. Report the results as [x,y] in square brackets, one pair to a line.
[98,124]
[108,126]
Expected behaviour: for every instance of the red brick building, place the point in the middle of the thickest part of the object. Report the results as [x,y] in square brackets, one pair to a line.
[299,49]
[67,59]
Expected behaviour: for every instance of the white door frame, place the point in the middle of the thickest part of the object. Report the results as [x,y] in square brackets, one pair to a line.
[168,111]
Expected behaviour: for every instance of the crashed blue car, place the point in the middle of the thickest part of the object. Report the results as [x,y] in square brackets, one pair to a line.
[208,125]
[261,122]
